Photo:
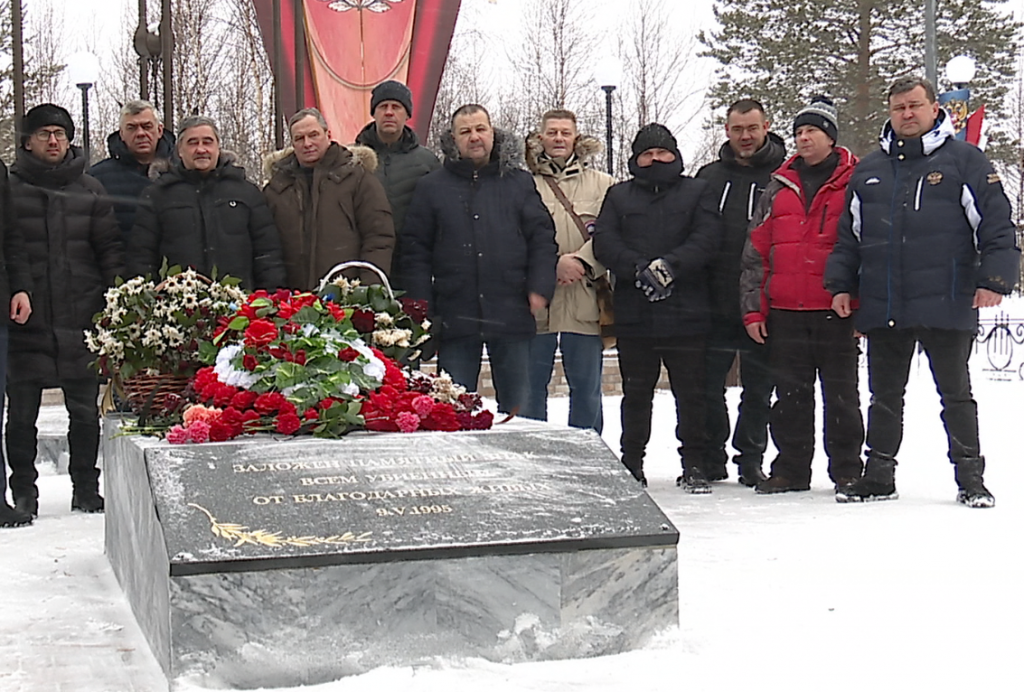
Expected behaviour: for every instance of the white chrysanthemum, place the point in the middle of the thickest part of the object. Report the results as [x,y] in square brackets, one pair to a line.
[391,337]
[228,374]
[383,319]
[426,325]
[374,368]
[174,336]
[152,337]
[350,389]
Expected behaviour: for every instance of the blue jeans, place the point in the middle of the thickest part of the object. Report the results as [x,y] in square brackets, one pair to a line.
[509,357]
[582,356]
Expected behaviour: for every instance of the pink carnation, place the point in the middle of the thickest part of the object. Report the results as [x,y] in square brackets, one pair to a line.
[177,435]
[199,412]
[408,422]
[199,431]
[423,405]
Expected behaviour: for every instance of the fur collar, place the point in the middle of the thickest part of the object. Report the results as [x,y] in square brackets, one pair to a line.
[586,149]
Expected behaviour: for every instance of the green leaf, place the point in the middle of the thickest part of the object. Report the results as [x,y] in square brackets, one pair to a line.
[238,323]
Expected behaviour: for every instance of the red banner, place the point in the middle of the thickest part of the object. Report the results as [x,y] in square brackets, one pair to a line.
[353,45]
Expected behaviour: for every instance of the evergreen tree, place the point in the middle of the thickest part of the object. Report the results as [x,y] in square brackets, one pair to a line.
[782,52]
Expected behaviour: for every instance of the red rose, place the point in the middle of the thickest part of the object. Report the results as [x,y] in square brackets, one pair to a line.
[416,309]
[311,414]
[281,295]
[300,357]
[327,403]
[223,395]
[442,417]
[393,375]
[287,408]
[288,423]
[269,402]
[348,354]
[243,400]
[231,416]
[250,420]
[363,321]
[220,431]
[286,310]
[337,312]
[249,362]
[260,333]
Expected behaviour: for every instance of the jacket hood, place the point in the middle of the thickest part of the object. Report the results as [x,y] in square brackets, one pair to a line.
[585,150]
[118,150]
[38,172]
[770,155]
[930,141]
[789,176]
[351,155]
[368,136]
[507,152]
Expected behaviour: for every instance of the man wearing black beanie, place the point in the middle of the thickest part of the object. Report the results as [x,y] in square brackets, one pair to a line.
[657,233]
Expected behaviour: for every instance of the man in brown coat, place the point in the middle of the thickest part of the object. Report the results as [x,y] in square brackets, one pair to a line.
[327,204]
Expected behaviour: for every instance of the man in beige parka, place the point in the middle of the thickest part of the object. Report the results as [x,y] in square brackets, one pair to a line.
[557,156]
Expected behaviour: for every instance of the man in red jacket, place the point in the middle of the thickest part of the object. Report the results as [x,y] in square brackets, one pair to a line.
[786,305]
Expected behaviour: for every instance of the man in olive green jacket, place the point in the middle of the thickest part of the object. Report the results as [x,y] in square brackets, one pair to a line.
[558,154]
[327,204]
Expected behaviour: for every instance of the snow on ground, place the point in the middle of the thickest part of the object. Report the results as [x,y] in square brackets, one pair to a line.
[788,592]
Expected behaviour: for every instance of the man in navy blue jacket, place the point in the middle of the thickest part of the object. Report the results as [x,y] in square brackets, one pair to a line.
[479,245]
[926,239]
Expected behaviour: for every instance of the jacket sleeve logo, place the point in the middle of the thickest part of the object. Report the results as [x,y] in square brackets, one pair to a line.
[934,178]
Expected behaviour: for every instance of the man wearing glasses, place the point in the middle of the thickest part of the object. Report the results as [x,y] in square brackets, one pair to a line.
[74,251]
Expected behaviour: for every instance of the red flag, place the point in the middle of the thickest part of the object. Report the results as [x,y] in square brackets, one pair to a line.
[974,122]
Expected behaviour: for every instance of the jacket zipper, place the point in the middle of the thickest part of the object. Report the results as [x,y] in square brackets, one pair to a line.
[821,228]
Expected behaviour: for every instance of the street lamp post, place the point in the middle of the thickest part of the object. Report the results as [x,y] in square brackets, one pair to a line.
[608,74]
[83,69]
[608,89]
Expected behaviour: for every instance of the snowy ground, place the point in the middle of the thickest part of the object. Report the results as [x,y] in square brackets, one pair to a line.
[776,592]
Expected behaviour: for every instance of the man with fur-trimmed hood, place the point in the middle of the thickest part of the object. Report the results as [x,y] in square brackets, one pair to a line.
[573,192]
[328,205]
[479,245]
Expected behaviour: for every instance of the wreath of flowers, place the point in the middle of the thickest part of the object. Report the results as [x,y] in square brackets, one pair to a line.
[156,328]
[291,362]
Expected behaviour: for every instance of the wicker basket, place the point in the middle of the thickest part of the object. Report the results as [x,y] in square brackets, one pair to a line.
[149,393]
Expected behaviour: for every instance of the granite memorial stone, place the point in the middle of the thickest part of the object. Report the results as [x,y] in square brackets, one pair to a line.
[260,562]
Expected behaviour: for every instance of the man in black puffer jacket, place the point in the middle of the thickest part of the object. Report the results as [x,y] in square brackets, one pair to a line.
[658,233]
[737,179]
[137,150]
[479,244]
[203,214]
[401,161]
[74,253]
[925,240]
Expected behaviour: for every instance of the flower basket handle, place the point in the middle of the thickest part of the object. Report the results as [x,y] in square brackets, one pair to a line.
[355,264]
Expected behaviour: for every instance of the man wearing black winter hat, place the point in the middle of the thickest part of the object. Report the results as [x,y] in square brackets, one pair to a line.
[657,233]
[401,161]
[739,176]
[74,252]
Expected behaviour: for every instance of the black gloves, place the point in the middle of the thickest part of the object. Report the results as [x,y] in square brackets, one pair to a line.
[654,279]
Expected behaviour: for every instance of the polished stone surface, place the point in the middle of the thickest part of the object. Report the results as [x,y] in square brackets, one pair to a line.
[261,562]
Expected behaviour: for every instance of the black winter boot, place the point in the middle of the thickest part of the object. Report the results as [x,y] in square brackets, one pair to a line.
[750,473]
[693,481]
[973,492]
[878,483]
[10,517]
[87,500]
[635,467]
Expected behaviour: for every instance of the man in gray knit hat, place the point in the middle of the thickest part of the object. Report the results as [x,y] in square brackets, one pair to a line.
[786,306]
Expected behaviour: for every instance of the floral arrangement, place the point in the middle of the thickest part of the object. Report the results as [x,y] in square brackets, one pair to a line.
[397,327]
[295,363]
[156,328]
[425,402]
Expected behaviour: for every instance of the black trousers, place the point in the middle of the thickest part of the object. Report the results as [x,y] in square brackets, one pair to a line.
[889,356]
[640,361]
[750,437]
[23,399]
[807,346]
